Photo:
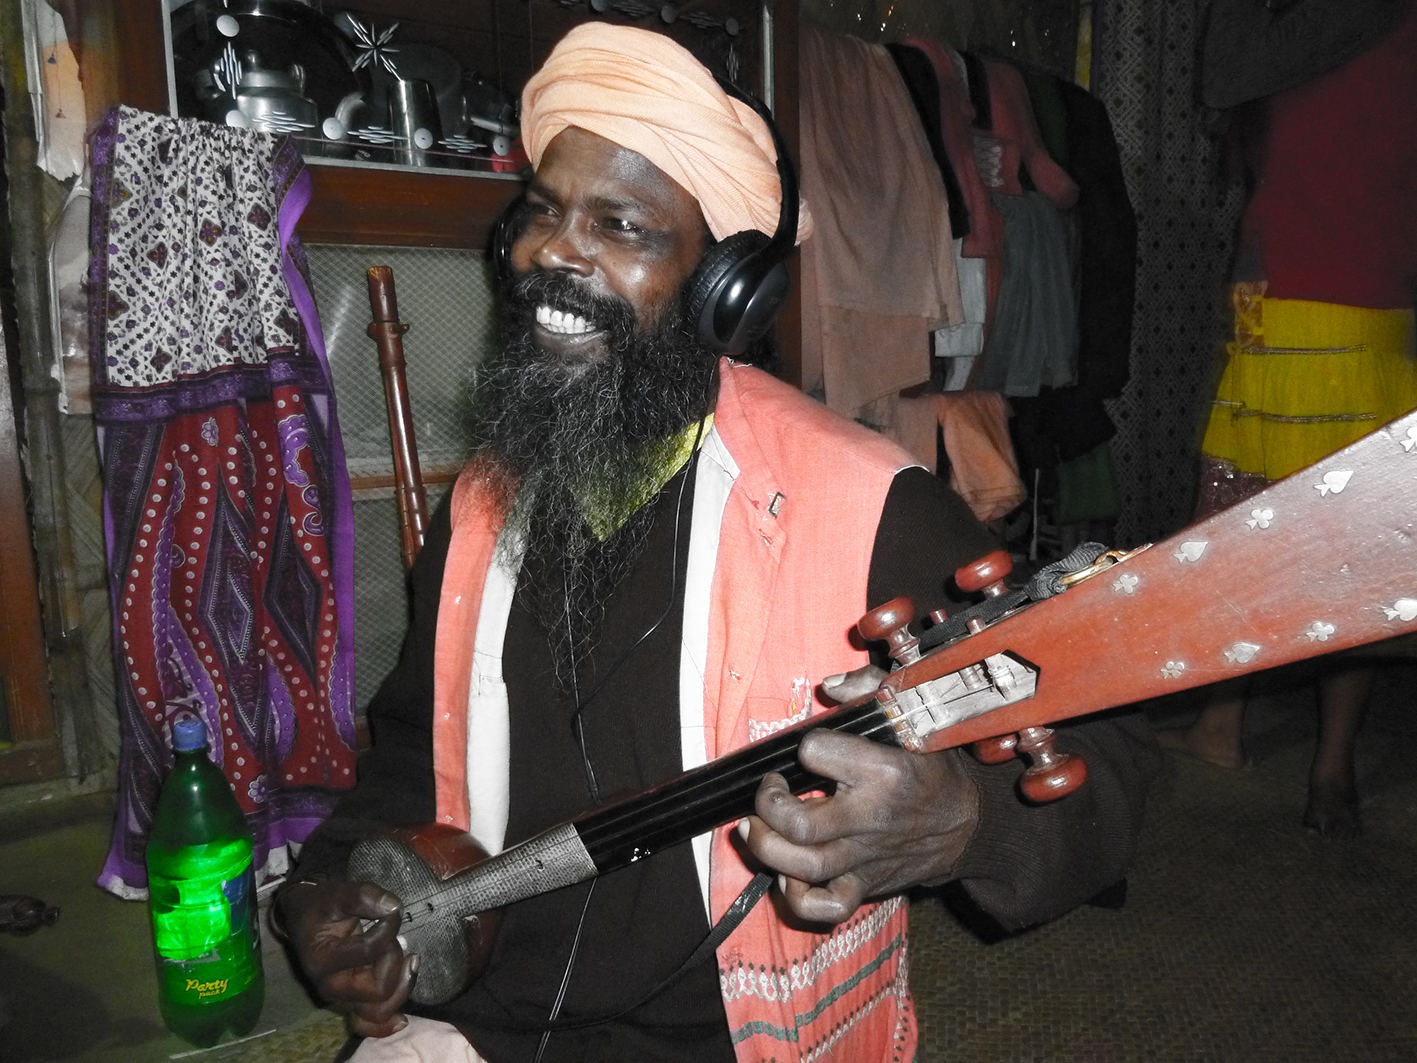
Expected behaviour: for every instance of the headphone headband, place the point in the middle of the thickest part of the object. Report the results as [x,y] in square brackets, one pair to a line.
[786,233]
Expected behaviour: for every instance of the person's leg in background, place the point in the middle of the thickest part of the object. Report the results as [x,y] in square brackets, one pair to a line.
[1343,693]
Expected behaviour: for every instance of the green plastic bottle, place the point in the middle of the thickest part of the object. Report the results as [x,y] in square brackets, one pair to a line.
[202,898]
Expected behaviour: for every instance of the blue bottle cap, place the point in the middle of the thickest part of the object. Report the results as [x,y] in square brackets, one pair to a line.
[188,733]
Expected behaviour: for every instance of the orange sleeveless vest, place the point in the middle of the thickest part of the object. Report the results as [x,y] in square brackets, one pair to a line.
[789,583]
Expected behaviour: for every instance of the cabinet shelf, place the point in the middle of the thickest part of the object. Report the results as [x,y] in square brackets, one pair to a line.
[120,45]
[403,207]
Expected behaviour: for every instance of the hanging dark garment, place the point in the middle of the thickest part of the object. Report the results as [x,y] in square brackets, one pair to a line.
[1073,420]
[1032,341]
[1253,49]
[979,91]
[919,76]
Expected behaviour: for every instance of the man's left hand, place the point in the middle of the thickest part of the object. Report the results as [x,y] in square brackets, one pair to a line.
[895,820]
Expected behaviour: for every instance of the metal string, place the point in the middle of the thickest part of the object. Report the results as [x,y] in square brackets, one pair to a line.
[454,886]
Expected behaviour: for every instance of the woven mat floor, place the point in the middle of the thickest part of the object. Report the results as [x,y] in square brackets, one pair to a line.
[1243,938]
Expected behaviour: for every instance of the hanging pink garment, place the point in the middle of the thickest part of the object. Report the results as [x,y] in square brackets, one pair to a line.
[1022,145]
[986,227]
[1011,141]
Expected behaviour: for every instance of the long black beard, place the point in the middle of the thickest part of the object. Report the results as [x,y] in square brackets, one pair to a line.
[558,426]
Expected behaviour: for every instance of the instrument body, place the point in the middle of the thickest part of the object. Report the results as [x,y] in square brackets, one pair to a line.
[599,841]
[1324,560]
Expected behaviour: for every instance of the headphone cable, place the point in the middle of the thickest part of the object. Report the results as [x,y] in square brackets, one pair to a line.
[579,725]
[577,718]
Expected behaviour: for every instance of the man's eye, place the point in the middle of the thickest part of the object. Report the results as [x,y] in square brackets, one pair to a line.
[620,225]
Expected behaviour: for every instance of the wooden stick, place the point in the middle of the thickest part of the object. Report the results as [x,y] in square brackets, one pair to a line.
[388,332]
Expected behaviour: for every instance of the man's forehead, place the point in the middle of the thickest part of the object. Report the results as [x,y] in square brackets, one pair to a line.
[584,159]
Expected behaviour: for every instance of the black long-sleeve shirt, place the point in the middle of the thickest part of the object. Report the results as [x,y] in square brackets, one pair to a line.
[1024,864]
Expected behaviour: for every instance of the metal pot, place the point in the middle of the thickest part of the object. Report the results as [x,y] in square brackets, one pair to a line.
[274,65]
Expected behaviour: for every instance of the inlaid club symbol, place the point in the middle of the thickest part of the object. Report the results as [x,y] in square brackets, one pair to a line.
[1410,443]
[1260,518]
[1404,609]
[1319,631]
[1173,669]
[1241,653]
[1126,584]
[1190,551]
[1334,481]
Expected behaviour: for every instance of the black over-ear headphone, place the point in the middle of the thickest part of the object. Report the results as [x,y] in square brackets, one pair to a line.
[741,282]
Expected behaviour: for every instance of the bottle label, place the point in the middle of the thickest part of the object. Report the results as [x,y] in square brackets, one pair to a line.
[205,925]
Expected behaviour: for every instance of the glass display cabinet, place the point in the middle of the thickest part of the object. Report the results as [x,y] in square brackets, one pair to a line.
[406,107]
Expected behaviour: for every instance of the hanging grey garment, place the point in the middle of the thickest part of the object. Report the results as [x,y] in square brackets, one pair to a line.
[1032,340]
[1253,48]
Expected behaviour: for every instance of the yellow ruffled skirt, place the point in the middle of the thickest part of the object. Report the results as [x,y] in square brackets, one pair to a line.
[1305,379]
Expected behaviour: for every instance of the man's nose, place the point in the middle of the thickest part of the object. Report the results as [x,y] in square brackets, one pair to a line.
[564,249]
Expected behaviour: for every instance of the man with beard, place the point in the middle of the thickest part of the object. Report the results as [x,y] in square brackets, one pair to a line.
[651,559]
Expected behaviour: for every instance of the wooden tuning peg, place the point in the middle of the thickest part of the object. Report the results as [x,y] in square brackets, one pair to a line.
[890,623]
[987,574]
[1052,774]
[995,750]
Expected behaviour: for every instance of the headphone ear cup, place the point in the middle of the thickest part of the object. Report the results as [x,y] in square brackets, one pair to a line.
[504,234]
[712,305]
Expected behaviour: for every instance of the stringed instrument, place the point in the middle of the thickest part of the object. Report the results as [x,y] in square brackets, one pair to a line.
[1323,560]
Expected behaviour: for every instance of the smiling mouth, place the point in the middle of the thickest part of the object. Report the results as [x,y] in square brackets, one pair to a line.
[563,323]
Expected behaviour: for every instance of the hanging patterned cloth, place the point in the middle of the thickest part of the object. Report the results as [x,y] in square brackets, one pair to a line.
[226,498]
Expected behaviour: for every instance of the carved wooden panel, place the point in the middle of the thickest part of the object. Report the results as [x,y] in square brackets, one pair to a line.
[30,750]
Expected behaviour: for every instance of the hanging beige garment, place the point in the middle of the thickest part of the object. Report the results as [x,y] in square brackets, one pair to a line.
[879,275]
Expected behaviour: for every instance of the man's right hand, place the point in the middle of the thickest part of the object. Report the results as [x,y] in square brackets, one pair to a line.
[361,972]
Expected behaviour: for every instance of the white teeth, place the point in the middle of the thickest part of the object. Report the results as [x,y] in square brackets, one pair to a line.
[562,322]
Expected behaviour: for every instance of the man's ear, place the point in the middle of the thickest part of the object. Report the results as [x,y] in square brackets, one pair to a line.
[736,291]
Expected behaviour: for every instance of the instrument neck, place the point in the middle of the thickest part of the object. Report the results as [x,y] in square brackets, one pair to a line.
[718,792]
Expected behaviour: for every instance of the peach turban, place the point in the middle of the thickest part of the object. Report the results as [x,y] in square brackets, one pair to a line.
[644,92]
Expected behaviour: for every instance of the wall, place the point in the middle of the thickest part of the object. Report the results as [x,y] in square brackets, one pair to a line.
[1143,52]
[446,297]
